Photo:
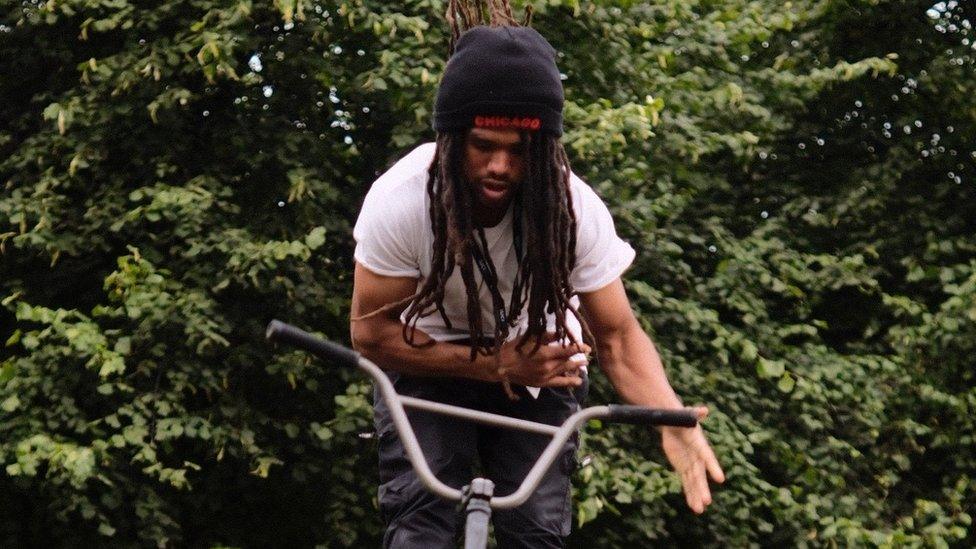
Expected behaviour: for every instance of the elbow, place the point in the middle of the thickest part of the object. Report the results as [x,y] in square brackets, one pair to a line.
[612,342]
[361,338]
[367,338]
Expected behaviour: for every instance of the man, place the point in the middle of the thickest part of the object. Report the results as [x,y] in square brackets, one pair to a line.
[481,262]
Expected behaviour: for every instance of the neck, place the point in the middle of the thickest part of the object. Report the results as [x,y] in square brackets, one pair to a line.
[489,218]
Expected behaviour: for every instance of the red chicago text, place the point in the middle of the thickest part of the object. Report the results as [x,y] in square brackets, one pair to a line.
[517,122]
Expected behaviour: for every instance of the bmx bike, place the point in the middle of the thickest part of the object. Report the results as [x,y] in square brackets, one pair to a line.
[477,498]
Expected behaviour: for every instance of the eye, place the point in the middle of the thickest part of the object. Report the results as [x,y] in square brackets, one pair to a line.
[482,145]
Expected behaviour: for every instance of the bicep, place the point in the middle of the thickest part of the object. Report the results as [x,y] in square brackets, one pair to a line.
[372,291]
[607,311]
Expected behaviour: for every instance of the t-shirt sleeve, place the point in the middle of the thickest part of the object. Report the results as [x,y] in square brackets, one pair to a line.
[384,232]
[601,255]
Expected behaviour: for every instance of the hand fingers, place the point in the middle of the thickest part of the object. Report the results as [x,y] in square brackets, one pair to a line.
[573,363]
[553,347]
[557,368]
[549,337]
[704,492]
[564,351]
[696,462]
[707,455]
[694,483]
[712,466]
[691,499]
[564,381]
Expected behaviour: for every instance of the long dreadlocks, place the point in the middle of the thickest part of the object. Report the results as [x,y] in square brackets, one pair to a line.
[543,212]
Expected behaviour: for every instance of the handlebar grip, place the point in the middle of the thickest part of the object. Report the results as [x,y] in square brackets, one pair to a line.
[280,332]
[641,415]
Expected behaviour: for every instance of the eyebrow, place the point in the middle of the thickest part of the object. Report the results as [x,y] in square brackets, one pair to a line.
[483,140]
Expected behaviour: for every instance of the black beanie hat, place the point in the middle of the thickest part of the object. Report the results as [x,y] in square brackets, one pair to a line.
[501,77]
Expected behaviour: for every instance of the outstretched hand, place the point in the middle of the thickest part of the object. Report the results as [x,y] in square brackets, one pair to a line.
[693,459]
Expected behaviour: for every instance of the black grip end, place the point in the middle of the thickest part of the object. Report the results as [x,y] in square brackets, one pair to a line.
[280,332]
[641,415]
[273,330]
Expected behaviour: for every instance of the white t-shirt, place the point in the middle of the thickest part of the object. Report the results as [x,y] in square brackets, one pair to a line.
[394,238]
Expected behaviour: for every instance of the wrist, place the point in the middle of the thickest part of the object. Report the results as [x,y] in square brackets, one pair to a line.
[486,368]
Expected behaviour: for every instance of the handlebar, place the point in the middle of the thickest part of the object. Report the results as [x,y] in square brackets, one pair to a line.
[280,332]
[641,415]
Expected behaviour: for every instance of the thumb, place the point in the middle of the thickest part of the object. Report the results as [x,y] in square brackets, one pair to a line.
[701,412]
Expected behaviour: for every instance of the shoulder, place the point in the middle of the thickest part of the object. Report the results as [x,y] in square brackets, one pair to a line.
[402,189]
[585,200]
[393,227]
[409,173]
[601,255]
[414,163]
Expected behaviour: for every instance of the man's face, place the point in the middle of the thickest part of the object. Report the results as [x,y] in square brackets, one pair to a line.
[493,166]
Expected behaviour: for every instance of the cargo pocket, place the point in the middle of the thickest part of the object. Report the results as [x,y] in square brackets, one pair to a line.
[392,497]
[395,474]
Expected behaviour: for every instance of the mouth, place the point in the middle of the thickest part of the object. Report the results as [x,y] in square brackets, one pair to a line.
[494,189]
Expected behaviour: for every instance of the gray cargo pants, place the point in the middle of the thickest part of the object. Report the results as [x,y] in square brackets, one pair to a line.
[415,518]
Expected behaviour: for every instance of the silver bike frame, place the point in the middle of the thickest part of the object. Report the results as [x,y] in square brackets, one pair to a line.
[397,405]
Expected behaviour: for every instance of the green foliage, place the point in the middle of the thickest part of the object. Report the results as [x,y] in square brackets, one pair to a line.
[797,178]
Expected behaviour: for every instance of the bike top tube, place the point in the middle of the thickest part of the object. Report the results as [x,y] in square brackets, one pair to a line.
[281,332]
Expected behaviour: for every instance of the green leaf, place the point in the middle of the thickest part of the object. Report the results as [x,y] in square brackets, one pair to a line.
[323,433]
[264,465]
[786,383]
[7,371]
[10,404]
[749,351]
[316,238]
[770,368]
[123,345]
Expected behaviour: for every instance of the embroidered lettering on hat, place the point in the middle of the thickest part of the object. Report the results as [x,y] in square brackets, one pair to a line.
[516,122]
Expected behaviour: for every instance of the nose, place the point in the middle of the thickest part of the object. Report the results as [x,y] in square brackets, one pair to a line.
[500,165]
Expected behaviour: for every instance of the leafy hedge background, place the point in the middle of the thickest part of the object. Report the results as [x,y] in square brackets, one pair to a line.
[797,177]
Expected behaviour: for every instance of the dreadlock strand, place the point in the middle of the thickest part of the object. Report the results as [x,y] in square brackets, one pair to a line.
[450,15]
[501,13]
[461,225]
[462,15]
[483,12]
[548,198]
[540,294]
[563,162]
[567,224]
[563,221]
[523,270]
[471,14]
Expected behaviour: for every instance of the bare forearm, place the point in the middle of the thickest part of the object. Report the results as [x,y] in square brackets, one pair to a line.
[629,359]
[634,367]
[383,343]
